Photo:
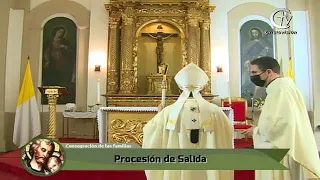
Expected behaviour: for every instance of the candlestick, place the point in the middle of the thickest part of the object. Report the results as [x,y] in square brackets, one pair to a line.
[252,103]
[163,71]
[163,97]
[252,106]
[229,93]
[163,91]
[98,92]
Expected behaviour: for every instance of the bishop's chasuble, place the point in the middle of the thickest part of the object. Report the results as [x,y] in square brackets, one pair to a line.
[284,124]
[215,133]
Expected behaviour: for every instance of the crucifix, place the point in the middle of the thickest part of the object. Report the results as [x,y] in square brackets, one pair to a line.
[160,37]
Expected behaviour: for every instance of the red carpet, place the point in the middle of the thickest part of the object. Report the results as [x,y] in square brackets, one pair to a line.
[243,175]
[11,168]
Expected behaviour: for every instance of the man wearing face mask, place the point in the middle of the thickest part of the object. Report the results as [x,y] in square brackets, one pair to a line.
[283,124]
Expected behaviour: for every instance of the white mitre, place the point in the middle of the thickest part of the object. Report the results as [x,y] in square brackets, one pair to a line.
[190,79]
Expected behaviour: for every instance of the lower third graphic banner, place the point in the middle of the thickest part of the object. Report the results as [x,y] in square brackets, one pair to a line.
[132,157]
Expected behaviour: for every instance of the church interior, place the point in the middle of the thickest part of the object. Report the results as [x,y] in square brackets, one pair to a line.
[113,54]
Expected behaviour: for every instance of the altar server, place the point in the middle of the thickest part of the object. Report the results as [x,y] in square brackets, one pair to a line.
[284,124]
[191,122]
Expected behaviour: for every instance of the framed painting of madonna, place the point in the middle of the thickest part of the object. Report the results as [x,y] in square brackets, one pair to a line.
[59,57]
[254,43]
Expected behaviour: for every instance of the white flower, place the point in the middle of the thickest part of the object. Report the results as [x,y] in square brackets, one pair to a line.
[259,103]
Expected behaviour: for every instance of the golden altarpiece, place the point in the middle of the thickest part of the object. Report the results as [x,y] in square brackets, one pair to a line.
[143,35]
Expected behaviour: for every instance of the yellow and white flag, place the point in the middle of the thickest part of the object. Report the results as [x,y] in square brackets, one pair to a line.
[27,120]
[290,72]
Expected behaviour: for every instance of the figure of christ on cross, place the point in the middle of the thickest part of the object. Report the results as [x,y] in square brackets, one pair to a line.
[160,37]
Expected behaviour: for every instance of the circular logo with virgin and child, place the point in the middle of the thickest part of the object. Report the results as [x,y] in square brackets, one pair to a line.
[42,157]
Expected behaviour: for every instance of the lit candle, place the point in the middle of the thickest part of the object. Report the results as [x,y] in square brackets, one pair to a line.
[163,98]
[98,90]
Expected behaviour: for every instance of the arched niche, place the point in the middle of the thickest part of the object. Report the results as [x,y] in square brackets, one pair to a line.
[59,56]
[146,45]
[254,41]
[33,41]
[237,16]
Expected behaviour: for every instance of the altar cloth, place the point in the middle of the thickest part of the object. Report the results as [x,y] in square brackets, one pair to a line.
[101,117]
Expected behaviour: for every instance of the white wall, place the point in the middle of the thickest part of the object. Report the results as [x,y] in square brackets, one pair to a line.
[301,57]
[85,3]
[35,3]
[13,59]
[97,50]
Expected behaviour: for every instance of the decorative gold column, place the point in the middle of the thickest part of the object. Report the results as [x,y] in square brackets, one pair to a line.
[184,52]
[52,119]
[113,64]
[205,62]
[193,34]
[53,93]
[127,72]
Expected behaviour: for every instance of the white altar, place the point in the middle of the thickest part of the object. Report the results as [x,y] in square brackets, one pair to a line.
[124,124]
[78,116]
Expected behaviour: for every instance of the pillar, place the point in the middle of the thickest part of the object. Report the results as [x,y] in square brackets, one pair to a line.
[113,64]
[82,66]
[312,9]
[193,35]
[4,11]
[127,72]
[205,62]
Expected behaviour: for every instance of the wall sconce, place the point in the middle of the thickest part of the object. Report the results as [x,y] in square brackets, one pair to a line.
[97,60]
[97,68]
[219,69]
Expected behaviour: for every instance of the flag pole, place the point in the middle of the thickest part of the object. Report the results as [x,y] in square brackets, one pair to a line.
[27,124]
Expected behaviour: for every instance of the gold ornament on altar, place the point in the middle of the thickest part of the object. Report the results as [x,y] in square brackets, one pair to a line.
[155,84]
[127,126]
[144,35]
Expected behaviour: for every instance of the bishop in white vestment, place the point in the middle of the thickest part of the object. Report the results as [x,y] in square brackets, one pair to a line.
[284,124]
[191,122]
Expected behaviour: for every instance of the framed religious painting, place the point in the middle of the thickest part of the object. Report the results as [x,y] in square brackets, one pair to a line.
[254,43]
[59,55]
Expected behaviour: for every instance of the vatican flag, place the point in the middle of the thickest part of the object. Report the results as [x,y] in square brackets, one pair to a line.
[27,121]
[290,70]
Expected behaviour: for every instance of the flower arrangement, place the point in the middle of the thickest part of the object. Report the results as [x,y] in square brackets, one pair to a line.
[259,103]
